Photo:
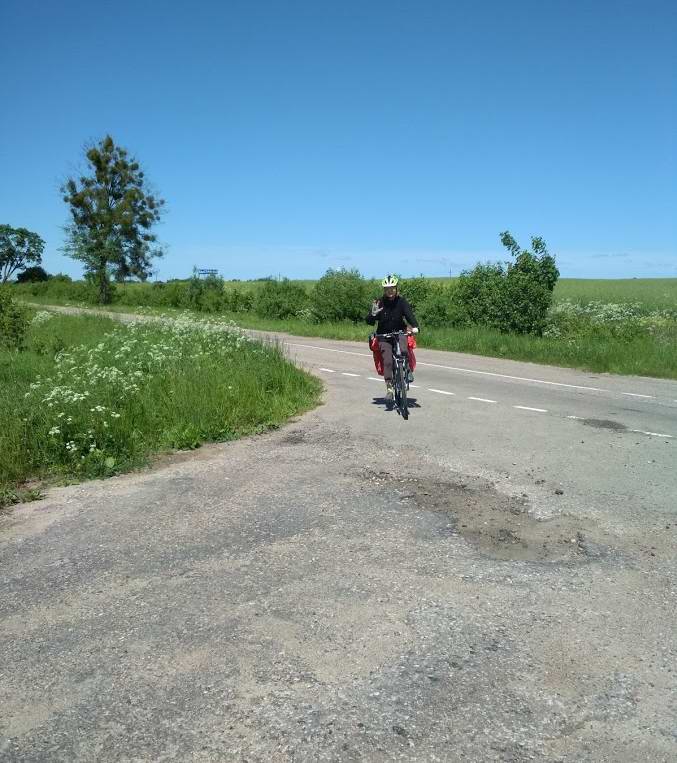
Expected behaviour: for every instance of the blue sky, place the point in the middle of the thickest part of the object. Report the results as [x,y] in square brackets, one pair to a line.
[289,136]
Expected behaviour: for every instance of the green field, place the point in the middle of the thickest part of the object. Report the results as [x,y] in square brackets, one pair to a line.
[651,293]
[90,397]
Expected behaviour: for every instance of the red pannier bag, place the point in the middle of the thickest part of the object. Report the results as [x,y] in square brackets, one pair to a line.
[376,351]
[411,343]
[378,358]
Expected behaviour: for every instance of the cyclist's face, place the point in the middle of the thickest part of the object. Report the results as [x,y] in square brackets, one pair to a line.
[389,292]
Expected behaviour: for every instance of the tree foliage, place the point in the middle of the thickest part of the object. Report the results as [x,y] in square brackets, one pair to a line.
[341,295]
[416,291]
[513,296]
[34,274]
[112,216]
[280,299]
[437,309]
[19,248]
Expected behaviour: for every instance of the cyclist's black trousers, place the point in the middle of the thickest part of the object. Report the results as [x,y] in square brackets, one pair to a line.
[387,353]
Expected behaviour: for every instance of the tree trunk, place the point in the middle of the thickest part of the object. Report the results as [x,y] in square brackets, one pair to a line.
[105,291]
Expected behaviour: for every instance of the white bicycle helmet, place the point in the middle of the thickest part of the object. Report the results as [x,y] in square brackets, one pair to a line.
[389,281]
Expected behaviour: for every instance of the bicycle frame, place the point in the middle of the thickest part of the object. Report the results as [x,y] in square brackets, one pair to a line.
[400,371]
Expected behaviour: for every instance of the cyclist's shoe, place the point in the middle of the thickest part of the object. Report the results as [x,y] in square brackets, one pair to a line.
[410,376]
[390,392]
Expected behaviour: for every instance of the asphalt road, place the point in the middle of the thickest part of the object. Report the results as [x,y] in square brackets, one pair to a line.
[493,579]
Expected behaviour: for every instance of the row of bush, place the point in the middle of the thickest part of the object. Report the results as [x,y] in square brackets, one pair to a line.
[513,296]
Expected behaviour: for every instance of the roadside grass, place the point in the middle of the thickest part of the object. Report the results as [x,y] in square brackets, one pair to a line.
[91,397]
[643,355]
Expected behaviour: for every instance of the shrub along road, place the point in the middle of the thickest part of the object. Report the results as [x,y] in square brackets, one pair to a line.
[492,580]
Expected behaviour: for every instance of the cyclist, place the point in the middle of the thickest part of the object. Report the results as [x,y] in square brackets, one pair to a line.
[390,313]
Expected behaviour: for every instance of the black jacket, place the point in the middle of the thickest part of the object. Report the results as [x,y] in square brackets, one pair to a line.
[391,318]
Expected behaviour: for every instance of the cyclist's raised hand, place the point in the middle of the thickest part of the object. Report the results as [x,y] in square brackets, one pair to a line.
[376,307]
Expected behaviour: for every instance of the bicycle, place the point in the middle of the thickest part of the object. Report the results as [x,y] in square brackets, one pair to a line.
[400,371]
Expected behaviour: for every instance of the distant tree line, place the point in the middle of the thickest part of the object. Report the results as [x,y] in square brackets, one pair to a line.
[512,296]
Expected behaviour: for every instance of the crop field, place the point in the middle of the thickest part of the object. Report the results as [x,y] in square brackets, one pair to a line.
[650,293]
[89,397]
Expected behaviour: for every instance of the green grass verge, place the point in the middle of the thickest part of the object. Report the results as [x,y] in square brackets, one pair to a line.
[90,397]
[641,356]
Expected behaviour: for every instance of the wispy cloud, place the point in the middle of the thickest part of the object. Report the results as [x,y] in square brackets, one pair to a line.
[443,262]
[610,255]
[310,261]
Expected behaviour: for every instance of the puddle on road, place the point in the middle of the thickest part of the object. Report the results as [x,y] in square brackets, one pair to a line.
[499,526]
[604,424]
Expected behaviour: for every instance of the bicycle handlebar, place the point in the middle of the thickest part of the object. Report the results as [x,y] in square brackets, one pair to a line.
[391,334]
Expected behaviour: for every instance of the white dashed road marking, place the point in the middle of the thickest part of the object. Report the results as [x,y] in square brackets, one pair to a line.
[477,372]
[652,434]
[480,373]
[494,402]
[455,368]
[514,378]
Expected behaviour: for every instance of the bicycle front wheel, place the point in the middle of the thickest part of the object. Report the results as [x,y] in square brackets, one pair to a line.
[401,390]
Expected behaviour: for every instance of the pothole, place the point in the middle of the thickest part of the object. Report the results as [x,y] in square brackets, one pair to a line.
[498,525]
[293,438]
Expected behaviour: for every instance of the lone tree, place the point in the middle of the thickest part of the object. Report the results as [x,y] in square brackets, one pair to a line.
[34,274]
[112,214]
[18,249]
